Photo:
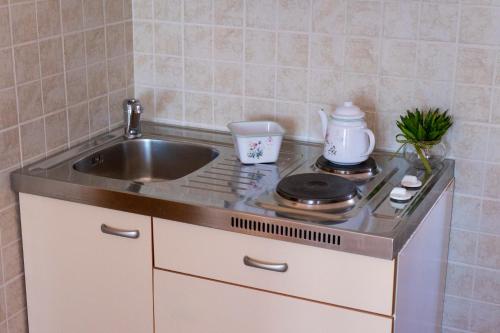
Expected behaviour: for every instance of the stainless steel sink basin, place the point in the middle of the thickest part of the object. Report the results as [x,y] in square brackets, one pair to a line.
[147,160]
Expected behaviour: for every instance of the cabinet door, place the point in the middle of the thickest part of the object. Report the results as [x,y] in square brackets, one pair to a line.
[187,304]
[80,279]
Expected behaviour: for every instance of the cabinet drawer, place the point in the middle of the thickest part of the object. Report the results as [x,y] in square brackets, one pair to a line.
[185,304]
[334,277]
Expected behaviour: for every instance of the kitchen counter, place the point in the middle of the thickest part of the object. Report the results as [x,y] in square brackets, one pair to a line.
[220,202]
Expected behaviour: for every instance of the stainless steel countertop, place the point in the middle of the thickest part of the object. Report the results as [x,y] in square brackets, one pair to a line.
[228,195]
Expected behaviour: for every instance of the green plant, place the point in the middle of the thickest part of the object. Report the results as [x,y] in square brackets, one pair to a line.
[423,129]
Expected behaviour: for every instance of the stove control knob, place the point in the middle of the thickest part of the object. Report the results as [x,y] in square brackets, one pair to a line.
[400,195]
[411,182]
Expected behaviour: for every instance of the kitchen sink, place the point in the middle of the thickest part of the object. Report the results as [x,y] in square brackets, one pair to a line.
[146,160]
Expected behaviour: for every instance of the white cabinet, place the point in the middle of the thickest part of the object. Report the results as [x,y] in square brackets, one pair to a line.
[186,304]
[80,279]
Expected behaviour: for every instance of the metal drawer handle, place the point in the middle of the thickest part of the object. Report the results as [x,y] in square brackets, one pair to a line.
[119,232]
[280,267]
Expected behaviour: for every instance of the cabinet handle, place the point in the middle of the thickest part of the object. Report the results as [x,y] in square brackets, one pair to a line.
[119,232]
[280,267]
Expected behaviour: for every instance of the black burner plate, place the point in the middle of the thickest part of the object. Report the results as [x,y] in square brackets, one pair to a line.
[316,188]
[368,166]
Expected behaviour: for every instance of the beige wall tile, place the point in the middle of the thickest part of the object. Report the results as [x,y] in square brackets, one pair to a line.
[143,37]
[456,312]
[395,95]
[56,130]
[142,9]
[12,256]
[475,65]
[5,39]
[328,16]
[9,148]
[293,15]
[53,93]
[228,44]
[488,252]
[78,120]
[117,71]
[48,23]
[95,47]
[364,17]
[199,74]
[260,81]
[197,41]
[51,56]
[168,38]
[480,25]
[484,317]
[72,15]
[261,14]
[228,78]
[169,10]
[399,58]
[433,94]
[439,22]
[115,105]
[293,118]
[19,323]
[97,84]
[32,139]
[10,225]
[472,103]
[15,294]
[7,68]
[3,316]
[93,13]
[489,217]
[76,86]
[8,108]
[23,22]
[469,177]
[227,109]
[258,109]
[168,72]
[487,285]
[462,246]
[27,63]
[465,212]
[144,68]
[29,101]
[7,196]
[361,55]
[293,49]
[198,11]
[199,108]
[459,280]
[113,10]
[362,90]
[327,51]
[98,114]
[492,187]
[115,40]
[291,84]
[495,116]
[228,12]
[401,19]
[469,141]
[435,61]
[74,50]
[260,46]
[326,87]
[493,153]
[169,104]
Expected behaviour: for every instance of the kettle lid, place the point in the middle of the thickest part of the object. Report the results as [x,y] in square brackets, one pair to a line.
[348,111]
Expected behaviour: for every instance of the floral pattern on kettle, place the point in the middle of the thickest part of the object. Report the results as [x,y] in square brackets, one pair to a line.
[331,147]
[256,148]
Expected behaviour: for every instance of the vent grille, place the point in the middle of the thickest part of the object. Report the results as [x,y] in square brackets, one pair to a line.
[290,232]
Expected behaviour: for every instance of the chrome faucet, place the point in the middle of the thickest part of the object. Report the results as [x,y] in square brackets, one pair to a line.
[132,110]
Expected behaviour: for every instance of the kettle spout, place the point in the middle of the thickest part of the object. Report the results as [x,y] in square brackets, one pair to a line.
[324,120]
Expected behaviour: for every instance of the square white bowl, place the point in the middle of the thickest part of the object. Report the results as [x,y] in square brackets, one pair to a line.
[257,141]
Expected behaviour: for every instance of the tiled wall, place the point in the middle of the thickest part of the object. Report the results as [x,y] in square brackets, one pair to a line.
[64,70]
[207,62]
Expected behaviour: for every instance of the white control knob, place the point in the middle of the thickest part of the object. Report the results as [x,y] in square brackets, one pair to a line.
[411,182]
[400,194]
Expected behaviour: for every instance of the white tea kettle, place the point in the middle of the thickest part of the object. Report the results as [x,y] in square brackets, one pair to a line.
[348,140]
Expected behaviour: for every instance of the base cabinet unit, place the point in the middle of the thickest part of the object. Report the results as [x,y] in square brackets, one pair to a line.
[81,275]
[187,304]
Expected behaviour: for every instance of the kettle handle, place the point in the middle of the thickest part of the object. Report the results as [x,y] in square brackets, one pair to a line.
[371,138]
